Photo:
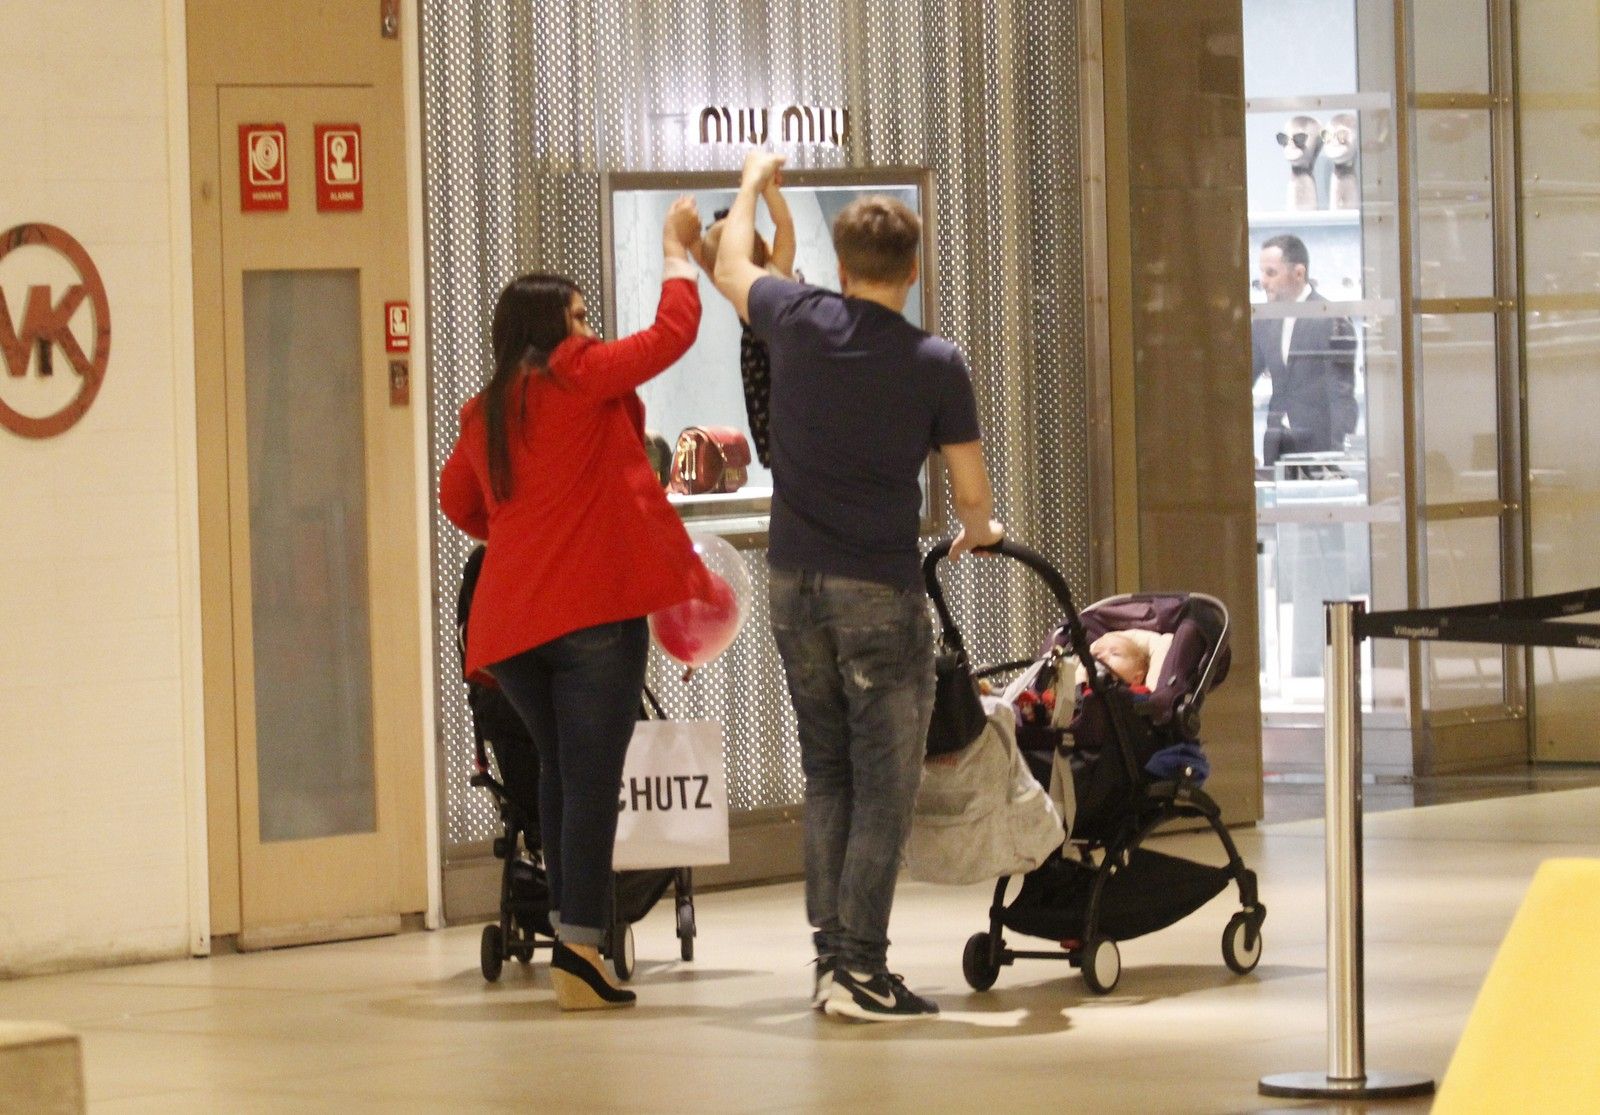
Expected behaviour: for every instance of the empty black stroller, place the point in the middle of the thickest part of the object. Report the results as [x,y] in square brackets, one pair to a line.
[1104,887]
[524,923]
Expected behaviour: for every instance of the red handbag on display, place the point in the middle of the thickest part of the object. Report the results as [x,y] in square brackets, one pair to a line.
[709,459]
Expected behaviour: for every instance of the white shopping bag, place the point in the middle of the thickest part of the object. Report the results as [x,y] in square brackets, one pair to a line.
[673,807]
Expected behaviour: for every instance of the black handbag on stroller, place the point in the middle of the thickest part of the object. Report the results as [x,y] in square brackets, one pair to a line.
[1104,886]
[513,782]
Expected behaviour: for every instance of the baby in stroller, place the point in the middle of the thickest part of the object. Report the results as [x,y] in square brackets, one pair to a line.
[1125,658]
[1117,744]
[1128,659]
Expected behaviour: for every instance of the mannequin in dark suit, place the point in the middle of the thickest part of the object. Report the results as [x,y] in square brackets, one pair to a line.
[1313,403]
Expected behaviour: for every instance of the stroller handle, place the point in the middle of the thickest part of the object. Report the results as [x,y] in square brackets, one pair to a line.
[1033,560]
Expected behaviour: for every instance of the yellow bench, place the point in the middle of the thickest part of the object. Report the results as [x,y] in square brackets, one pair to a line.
[1532,1042]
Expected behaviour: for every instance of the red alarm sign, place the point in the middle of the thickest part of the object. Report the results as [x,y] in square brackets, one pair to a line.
[339,168]
[263,167]
[397,327]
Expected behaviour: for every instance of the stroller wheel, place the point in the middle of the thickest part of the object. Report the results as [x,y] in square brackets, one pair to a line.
[491,954]
[976,965]
[1241,943]
[1101,964]
[686,931]
[622,951]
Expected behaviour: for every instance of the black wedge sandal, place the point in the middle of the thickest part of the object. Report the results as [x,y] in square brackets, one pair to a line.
[580,986]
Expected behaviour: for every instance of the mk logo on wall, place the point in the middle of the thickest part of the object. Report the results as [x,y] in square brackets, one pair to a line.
[797,124]
[63,278]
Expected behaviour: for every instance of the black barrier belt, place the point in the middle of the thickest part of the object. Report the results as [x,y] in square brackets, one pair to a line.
[1508,622]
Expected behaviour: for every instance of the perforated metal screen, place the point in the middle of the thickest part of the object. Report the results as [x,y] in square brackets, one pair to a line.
[527,104]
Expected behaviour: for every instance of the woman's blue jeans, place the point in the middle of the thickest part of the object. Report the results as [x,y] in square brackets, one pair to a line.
[579,697]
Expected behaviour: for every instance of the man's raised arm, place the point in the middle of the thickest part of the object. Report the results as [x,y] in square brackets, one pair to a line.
[734,274]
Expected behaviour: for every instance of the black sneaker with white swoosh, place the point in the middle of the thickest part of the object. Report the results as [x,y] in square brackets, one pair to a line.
[882,997]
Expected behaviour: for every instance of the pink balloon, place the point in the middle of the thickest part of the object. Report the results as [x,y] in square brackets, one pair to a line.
[697,630]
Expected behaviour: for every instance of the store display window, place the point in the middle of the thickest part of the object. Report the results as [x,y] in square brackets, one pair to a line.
[703,414]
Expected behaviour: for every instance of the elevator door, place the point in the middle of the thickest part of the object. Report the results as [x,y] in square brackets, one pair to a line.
[320,527]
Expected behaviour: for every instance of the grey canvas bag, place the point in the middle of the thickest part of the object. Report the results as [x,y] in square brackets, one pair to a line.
[980,813]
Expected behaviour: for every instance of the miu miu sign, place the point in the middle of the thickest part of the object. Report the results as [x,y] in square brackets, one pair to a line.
[798,124]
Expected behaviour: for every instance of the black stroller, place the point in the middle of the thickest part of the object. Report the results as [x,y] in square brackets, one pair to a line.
[1104,887]
[524,924]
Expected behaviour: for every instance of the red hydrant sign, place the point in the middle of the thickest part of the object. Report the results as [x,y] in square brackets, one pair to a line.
[263,168]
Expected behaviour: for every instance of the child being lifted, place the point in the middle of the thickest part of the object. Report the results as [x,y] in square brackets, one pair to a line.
[755,365]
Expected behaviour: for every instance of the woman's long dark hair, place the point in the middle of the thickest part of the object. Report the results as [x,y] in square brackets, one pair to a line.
[530,320]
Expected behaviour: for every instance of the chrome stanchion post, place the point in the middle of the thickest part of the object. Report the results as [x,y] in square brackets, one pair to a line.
[1341,798]
[1346,1076]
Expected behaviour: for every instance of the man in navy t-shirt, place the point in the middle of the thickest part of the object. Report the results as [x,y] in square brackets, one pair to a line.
[860,397]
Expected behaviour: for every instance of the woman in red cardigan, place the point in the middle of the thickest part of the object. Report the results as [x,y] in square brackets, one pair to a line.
[550,469]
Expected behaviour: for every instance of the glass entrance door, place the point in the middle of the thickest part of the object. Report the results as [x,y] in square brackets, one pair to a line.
[1463,361]
[1385,347]
[1326,359]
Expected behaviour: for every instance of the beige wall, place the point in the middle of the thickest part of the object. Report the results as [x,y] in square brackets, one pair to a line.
[1180,339]
[103,778]
[101,848]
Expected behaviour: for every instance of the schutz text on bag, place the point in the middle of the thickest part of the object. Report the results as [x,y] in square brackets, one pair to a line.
[664,792]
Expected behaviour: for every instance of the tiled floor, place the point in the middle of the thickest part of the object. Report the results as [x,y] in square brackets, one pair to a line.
[407,1024]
